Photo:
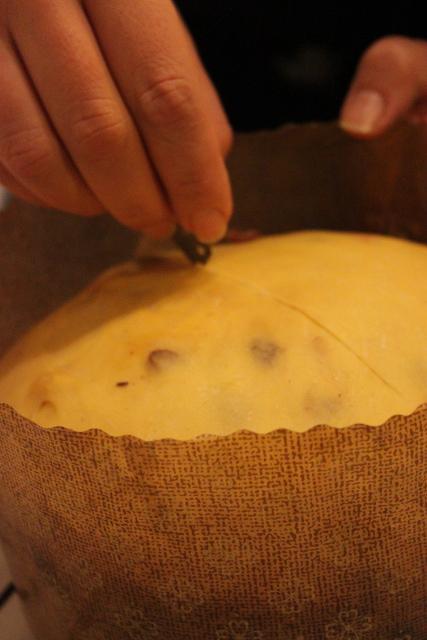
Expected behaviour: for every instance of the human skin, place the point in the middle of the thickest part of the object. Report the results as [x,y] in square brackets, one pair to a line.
[390,84]
[106,106]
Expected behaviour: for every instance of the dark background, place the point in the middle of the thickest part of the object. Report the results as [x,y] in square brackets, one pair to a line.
[275,62]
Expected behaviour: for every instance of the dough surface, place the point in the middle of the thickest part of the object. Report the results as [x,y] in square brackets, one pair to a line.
[281,332]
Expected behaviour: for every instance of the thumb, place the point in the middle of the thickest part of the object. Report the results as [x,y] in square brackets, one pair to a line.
[390,82]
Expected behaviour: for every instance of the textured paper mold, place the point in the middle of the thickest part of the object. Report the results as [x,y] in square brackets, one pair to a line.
[285,536]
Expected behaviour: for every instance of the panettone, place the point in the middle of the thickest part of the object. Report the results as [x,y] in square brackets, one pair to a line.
[285,331]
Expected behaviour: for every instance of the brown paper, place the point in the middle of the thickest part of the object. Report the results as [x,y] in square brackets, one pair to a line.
[285,536]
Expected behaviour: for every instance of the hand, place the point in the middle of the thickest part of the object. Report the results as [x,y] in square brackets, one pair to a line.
[390,84]
[105,106]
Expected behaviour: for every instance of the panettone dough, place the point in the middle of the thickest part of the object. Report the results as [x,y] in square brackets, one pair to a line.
[286,331]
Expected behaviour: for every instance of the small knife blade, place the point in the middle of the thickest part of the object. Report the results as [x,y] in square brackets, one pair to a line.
[197,252]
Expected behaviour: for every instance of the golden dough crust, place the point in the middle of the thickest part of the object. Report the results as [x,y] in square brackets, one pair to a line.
[281,332]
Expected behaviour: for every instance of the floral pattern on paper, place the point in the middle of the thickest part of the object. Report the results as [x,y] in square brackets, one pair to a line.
[182,596]
[343,547]
[126,624]
[293,600]
[88,574]
[238,630]
[394,584]
[224,554]
[138,625]
[349,625]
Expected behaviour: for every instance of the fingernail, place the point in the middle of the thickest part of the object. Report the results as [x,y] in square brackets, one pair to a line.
[209,226]
[362,112]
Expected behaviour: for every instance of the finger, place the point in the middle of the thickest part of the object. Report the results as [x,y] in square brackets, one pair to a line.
[11,184]
[88,113]
[390,79]
[158,73]
[208,95]
[211,101]
[29,149]
[8,181]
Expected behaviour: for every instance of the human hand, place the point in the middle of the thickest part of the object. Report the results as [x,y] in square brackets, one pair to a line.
[390,84]
[105,106]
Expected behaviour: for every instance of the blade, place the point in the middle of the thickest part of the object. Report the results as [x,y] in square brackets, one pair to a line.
[317,176]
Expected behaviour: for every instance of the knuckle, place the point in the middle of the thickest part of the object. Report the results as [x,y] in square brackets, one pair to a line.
[169,101]
[26,153]
[98,129]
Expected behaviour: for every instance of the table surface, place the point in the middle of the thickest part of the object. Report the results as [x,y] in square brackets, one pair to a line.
[13,625]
